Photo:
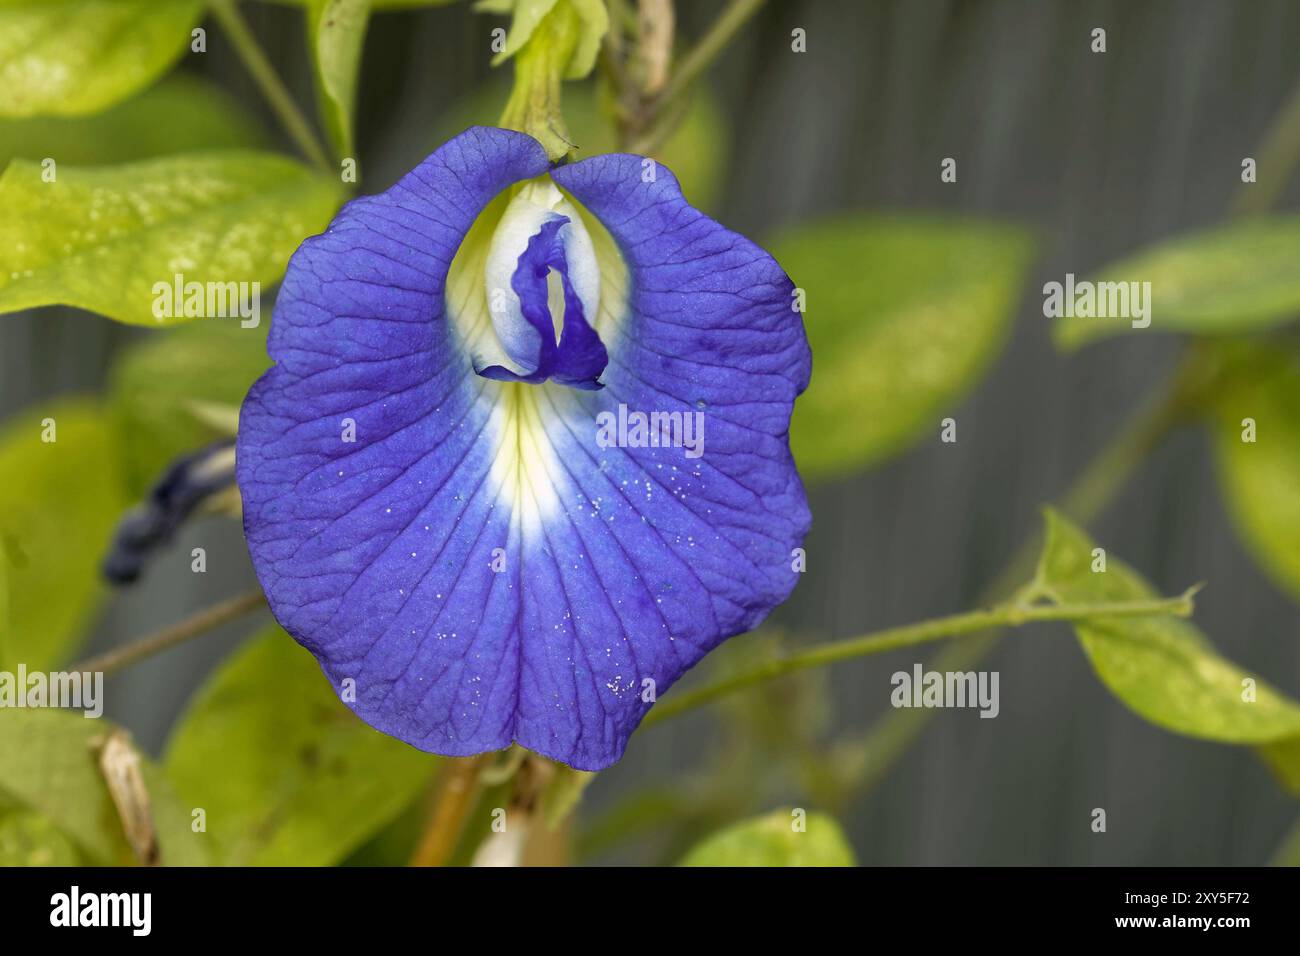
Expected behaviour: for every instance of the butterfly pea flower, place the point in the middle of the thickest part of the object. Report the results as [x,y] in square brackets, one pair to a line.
[466,478]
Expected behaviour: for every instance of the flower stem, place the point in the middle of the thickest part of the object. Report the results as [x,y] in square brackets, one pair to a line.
[179,633]
[1009,614]
[277,94]
[450,809]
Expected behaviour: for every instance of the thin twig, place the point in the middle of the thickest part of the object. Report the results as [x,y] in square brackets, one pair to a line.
[653,120]
[169,637]
[702,55]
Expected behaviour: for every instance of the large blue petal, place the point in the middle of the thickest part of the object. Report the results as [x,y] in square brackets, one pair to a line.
[476,568]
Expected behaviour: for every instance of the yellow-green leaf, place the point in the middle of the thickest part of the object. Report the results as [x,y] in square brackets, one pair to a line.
[1163,668]
[48,765]
[114,239]
[29,839]
[68,57]
[288,775]
[1236,278]
[1260,478]
[62,500]
[781,838]
[903,316]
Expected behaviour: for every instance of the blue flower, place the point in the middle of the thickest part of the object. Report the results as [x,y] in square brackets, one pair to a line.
[522,459]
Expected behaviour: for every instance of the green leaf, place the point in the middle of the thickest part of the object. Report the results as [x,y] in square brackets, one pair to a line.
[181,113]
[62,501]
[1236,278]
[287,774]
[69,57]
[772,840]
[1163,668]
[113,239]
[162,390]
[336,31]
[903,316]
[48,765]
[1261,479]
[29,839]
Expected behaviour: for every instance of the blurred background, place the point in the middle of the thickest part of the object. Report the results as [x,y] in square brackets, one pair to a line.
[1097,155]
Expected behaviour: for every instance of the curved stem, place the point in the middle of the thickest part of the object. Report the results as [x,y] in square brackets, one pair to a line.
[450,810]
[273,88]
[169,637]
[1008,614]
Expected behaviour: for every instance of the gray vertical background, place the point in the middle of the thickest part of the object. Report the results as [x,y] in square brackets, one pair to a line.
[1099,154]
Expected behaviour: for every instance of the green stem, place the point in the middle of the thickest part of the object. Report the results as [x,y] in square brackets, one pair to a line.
[273,88]
[1009,614]
[1085,499]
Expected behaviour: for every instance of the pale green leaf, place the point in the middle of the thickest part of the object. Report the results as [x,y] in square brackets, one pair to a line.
[48,764]
[287,774]
[1235,278]
[113,239]
[182,113]
[775,840]
[69,57]
[1261,478]
[162,390]
[62,500]
[903,316]
[336,31]
[1163,668]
